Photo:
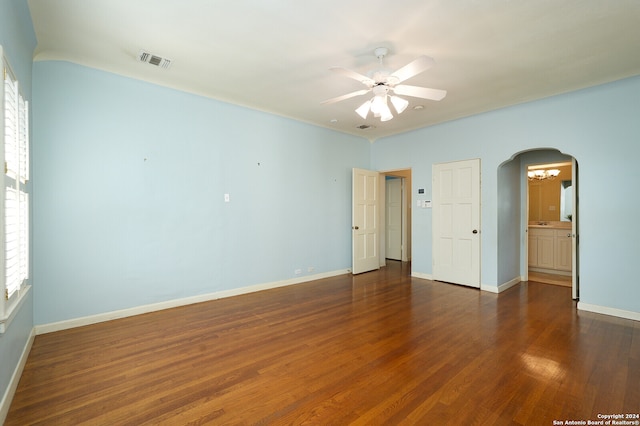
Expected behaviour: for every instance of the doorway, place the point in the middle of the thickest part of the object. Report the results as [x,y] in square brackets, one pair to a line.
[550,209]
[395,237]
[550,216]
[394,198]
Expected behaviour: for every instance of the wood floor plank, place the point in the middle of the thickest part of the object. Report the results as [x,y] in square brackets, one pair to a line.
[377,348]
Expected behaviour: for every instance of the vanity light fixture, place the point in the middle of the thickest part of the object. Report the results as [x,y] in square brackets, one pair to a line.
[541,174]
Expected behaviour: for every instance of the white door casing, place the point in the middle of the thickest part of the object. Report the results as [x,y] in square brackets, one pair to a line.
[364,221]
[456,222]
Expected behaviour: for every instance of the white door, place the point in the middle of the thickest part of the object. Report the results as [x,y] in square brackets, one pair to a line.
[394,218]
[456,222]
[364,222]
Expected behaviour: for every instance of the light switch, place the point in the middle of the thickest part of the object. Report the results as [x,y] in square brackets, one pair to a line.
[226,198]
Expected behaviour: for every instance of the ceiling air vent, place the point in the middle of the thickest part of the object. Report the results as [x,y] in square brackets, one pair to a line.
[155,60]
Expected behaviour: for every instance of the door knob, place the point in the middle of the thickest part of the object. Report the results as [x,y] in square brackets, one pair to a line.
[475,231]
[355,227]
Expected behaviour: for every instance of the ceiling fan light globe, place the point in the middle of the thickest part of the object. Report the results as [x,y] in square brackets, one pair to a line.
[386,117]
[363,110]
[378,103]
[399,104]
[385,114]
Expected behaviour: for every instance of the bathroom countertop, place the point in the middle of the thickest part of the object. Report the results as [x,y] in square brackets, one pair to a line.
[550,225]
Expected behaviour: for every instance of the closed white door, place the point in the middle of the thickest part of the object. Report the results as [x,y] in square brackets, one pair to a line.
[393,218]
[456,222]
[364,224]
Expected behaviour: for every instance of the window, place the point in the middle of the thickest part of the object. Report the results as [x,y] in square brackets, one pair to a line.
[15,198]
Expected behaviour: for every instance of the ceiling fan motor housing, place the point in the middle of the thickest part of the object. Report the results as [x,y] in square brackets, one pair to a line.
[380,89]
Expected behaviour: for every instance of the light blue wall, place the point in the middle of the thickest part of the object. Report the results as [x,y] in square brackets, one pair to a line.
[18,41]
[598,126]
[129,183]
[509,218]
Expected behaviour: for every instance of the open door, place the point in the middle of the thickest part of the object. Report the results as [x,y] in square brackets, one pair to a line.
[456,222]
[575,290]
[364,221]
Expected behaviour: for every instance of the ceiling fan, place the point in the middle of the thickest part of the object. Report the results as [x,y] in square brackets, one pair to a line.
[386,85]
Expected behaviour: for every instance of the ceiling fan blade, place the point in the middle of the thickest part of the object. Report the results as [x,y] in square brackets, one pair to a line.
[418,65]
[347,96]
[420,92]
[354,75]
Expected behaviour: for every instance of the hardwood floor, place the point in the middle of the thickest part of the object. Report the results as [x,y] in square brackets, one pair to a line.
[378,348]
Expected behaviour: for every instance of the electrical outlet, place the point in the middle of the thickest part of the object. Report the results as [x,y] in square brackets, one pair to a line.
[311,269]
[297,271]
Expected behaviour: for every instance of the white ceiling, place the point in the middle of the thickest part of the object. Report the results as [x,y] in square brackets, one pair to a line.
[274,55]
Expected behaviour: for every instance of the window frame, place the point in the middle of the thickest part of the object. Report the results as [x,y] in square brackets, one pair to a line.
[15,181]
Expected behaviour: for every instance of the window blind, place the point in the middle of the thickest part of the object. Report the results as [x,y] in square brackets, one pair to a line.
[23,139]
[16,199]
[10,126]
[12,241]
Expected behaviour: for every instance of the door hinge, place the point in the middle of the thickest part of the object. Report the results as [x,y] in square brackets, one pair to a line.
[6,294]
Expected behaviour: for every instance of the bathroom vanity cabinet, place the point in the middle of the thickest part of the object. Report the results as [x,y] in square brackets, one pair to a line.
[550,249]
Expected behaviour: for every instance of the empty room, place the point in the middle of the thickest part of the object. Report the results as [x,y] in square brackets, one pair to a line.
[320,213]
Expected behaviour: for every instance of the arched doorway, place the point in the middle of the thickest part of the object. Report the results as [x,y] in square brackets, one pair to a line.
[546,223]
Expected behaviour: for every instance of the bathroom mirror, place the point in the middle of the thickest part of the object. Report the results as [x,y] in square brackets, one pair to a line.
[566,201]
[551,199]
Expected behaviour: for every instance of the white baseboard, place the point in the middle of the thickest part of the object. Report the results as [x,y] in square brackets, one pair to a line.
[5,403]
[609,311]
[123,313]
[483,287]
[501,287]
[421,275]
